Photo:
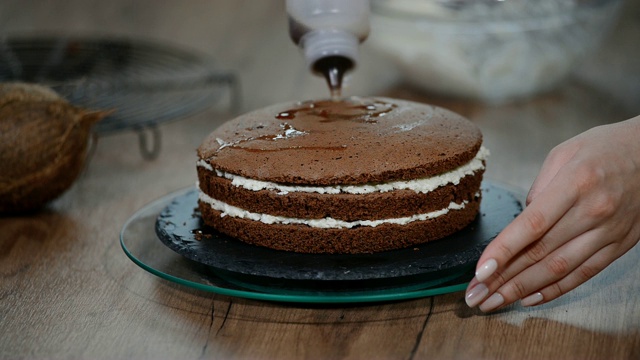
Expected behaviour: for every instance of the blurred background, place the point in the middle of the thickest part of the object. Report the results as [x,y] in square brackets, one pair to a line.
[429,41]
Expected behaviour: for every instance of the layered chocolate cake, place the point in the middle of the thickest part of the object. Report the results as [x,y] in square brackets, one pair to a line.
[359,175]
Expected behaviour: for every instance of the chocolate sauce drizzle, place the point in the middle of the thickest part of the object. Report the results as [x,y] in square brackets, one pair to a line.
[352,109]
[305,117]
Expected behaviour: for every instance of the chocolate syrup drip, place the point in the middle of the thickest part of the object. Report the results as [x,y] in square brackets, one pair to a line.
[353,109]
[261,150]
[288,132]
[305,118]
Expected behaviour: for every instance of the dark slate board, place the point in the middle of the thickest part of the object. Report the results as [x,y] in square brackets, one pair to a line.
[179,225]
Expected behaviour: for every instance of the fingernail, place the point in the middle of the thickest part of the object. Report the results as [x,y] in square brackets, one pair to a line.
[476,294]
[532,299]
[486,269]
[492,302]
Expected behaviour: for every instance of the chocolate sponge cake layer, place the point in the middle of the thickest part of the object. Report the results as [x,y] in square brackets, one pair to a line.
[304,239]
[347,207]
[356,141]
[354,176]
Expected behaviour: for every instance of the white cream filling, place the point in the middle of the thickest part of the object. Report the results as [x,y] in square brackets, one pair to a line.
[325,223]
[424,185]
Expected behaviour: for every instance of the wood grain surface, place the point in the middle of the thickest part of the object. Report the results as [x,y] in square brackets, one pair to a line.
[67,290]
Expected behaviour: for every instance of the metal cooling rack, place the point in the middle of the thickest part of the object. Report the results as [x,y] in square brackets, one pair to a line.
[144,83]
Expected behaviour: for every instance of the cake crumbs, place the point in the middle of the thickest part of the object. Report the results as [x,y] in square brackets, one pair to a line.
[199,235]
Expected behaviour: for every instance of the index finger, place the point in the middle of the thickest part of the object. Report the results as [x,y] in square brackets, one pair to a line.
[534,221]
[558,157]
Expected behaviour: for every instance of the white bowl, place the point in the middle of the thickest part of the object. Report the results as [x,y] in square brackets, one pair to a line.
[488,49]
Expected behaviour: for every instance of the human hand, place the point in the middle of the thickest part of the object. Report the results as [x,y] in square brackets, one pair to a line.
[583,212]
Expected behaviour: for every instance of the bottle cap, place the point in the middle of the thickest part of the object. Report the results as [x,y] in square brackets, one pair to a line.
[319,44]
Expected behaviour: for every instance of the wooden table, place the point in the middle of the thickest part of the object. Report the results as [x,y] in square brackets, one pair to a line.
[67,290]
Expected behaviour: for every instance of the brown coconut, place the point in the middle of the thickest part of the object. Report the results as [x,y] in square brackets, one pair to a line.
[43,145]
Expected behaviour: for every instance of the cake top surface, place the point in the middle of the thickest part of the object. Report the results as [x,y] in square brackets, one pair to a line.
[353,141]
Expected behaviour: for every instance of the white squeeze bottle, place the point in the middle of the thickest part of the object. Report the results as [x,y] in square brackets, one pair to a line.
[329,33]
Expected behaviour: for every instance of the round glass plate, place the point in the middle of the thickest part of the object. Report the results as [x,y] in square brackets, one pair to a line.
[206,260]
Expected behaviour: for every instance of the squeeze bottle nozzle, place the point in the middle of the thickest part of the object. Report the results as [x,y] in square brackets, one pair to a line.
[329,33]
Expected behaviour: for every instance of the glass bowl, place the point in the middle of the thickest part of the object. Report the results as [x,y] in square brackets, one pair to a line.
[488,49]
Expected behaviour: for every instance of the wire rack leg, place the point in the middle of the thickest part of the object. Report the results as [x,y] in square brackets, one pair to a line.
[149,149]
